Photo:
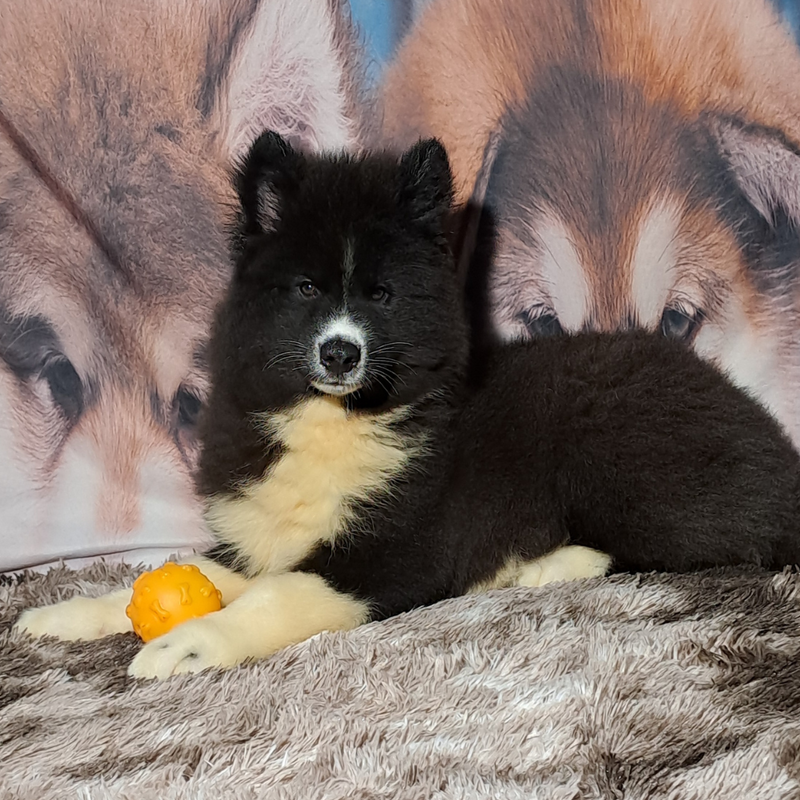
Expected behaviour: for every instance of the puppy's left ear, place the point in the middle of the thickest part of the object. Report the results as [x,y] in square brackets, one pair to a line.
[269,169]
[765,165]
[426,181]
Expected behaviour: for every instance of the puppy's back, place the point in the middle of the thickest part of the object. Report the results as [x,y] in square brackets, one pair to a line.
[647,453]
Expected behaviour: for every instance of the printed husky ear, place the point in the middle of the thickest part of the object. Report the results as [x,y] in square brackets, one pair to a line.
[292,66]
[472,212]
[765,165]
[427,183]
[263,176]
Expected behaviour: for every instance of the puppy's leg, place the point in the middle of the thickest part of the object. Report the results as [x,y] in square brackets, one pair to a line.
[84,618]
[568,563]
[79,618]
[274,612]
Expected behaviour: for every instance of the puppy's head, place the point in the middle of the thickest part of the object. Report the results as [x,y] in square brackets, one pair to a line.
[344,282]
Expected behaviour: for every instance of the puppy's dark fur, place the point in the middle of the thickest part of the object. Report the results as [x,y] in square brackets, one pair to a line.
[626,443]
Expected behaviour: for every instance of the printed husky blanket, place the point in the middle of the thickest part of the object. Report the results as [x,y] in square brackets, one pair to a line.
[654,686]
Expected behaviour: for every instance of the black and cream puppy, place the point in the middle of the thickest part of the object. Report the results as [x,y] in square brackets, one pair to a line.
[361,457]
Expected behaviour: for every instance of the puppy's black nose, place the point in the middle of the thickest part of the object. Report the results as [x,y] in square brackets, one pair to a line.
[339,356]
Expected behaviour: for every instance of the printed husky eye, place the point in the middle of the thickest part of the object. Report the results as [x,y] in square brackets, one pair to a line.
[307,289]
[679,325]
[379,294]
[541,322]
[65,387]
[187,407]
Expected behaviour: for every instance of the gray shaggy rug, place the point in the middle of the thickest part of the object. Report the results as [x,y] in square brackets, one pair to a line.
[655,686]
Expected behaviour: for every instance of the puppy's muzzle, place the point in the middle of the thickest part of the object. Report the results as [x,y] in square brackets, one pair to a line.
[339,357]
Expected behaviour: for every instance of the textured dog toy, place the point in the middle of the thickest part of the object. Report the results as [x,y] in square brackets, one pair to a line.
[168,596]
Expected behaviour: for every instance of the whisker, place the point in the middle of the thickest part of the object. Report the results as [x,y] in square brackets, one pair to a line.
[390,346]
[280,358]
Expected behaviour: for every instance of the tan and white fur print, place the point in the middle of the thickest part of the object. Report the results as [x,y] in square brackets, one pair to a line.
[118,124]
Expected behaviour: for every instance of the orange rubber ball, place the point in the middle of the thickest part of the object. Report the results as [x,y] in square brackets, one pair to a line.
[168,596]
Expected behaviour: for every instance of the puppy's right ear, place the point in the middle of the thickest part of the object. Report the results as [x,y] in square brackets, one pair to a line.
[268,170]
[426,180]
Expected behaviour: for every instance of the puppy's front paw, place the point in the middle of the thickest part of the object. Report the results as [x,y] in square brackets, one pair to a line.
[191,647]
[80,618]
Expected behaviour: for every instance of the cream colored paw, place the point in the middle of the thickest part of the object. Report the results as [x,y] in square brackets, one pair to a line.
[569,563]
[80,618]
[193,646]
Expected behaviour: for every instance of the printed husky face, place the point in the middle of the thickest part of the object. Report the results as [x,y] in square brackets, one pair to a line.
[344,283]
[611,211]
[117,125]
[606,201]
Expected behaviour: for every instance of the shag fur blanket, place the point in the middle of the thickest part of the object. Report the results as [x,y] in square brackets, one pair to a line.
[655,686]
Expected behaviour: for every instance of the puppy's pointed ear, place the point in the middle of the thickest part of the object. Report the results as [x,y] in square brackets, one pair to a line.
[426,180]
[267,172]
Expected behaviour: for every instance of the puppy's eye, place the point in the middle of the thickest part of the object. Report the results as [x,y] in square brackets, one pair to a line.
[307,289]
[379,294]
[679,324]
[65,387]
[541,323]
